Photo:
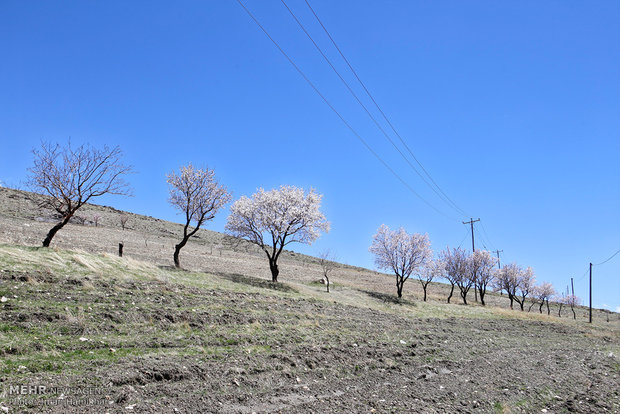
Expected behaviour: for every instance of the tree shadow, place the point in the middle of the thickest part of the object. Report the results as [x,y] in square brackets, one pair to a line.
[384,297]
[257,282]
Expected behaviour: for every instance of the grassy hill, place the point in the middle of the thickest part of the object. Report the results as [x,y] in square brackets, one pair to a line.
[109,334]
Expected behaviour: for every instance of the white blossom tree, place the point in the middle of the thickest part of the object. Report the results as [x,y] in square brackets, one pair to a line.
[71,177]
[434,269]
[400,252]
[198,195]
[525,284]
[508,279]
[483,270]
[274,219]
[543,293]
[456,265]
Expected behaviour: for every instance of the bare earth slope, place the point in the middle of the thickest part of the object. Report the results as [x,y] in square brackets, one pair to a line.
[220,338]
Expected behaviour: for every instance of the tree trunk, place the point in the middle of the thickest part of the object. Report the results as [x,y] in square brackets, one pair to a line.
[574,315]
[424,287]
[482,290]
[273,266]
[327,283]
[177,251]
[548,310]
[54,230]
[451,292]
[541,305]
[560,311]
[511,301]
[464,296]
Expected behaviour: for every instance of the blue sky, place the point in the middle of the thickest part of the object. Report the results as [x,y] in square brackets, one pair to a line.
[512,106]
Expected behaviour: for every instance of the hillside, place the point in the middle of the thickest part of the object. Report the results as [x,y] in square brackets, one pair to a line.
[219,337]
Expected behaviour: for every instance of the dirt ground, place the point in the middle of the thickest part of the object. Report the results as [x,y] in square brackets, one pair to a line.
[105,334]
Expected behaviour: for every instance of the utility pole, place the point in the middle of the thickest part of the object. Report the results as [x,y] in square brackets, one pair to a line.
[590,292]
[473,249]
[572,287]
[499,265]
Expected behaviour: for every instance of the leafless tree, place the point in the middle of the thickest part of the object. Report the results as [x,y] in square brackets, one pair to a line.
[433,269]
[327,260]
[71,177]
[483,270]
[96,218]
[525,284]
[400,252]
[572,301]
[273,219]
[199,196]
[124,218]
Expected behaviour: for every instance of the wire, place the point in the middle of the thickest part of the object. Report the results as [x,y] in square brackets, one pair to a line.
[481,238]
[358,136]
[611,257]
[487,236]
[464,237]
[374,120]
[381,111]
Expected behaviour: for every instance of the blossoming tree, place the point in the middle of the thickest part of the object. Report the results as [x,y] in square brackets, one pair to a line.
[483,270]
[456,268]
[400,252]
[199,196]
[274,219]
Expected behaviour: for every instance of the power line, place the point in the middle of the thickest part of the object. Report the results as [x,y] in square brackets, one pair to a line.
[358,136]
[487,235]
[380,110]
[611,257]
[374,120]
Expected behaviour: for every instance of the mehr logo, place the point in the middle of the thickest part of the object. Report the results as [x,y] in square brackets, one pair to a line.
[27,389]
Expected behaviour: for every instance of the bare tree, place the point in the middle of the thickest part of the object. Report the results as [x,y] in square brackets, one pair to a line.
[96,219]
[508,280]
[71,177]
[327,260]
[525,284]
[199,196]
[124,218]
[400,252]
[483,270]
[561,300]
[433,269]
[274,219]
[572,301]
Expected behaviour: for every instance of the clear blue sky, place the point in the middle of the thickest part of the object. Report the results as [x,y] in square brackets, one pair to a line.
[512,106]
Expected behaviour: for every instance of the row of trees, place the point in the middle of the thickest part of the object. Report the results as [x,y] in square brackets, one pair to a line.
[272,220]
[407,255]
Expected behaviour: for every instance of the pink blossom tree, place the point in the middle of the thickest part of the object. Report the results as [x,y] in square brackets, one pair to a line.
[274,219]
[482,267]
[525,285]
[199,196]
[400,252]
[543,293]
[457,271]
[434,269]
[508,279]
